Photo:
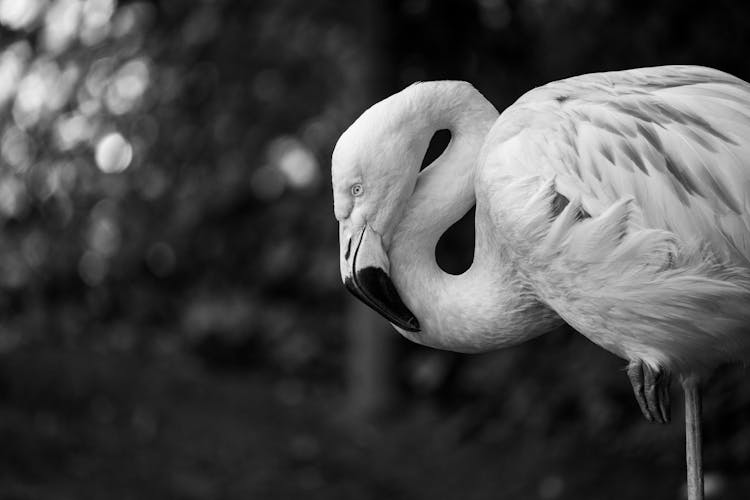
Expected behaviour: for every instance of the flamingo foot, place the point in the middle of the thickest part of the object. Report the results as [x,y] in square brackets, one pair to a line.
[651,389]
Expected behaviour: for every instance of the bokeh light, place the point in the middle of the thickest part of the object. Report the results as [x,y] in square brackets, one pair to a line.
[13,199]
[16,148]
[127,86]
[12,65]
[113,153]
[19,14]
[295,161]
[95,25]
[72,129]
[43,90]
[60,179]
[61,24]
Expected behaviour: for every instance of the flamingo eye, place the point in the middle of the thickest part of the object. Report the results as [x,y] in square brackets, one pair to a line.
[357,189]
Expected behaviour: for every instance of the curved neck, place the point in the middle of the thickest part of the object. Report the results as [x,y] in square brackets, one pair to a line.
[445,189]
[486,307]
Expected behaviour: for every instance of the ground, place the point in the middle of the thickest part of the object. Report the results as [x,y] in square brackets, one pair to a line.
[80,425]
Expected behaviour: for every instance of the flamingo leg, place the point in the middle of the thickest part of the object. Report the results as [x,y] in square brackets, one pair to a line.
[694,456]
[651,390]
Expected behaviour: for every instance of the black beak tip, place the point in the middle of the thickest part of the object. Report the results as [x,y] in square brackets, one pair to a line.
[374,287]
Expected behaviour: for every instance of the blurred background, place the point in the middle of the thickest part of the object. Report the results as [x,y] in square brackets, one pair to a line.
[172,323]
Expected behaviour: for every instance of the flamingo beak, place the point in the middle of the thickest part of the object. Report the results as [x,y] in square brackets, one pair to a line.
[364,269]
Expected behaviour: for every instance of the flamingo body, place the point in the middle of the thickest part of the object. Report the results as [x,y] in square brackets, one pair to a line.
[660,159]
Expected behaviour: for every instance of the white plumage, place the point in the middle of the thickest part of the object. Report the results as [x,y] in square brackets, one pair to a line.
[664,277]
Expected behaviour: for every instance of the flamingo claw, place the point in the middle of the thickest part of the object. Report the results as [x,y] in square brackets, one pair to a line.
[651,389]
[635,374]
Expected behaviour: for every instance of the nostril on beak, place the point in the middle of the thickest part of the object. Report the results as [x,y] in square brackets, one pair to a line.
[348,249]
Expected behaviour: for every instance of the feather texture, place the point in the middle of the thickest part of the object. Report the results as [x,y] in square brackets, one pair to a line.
[639,292]
[674,139]
[660,157]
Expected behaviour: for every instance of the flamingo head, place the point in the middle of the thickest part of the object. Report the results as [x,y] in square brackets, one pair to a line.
[374,170]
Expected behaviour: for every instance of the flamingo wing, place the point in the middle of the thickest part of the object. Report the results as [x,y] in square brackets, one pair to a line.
[675,139]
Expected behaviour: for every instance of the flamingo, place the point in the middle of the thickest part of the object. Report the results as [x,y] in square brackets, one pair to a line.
[617,202]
